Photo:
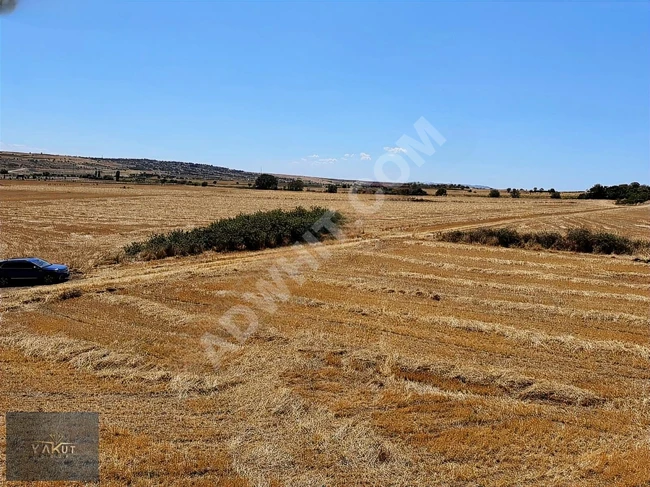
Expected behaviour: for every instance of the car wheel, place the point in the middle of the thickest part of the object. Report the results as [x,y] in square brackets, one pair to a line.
[49,279]
[4,282]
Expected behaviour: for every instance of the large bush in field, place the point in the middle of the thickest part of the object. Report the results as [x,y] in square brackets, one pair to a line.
[632,193]
[296,185]
[576,240]
[266,181]
[264,229]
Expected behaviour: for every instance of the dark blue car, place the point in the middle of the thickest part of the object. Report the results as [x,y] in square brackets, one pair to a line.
[31,271]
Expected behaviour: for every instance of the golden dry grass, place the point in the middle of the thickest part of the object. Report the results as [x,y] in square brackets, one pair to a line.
[401,360]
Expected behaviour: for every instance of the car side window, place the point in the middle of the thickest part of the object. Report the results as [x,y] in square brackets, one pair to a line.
[18,265]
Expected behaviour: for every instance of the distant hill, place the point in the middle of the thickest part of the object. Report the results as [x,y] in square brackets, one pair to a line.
[26,164]
[77,166]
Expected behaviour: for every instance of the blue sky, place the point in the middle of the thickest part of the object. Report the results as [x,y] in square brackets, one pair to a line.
[547,94]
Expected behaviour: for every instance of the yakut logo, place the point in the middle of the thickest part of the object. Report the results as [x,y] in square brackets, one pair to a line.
[54,447]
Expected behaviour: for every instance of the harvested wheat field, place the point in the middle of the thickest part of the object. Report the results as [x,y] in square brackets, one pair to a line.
[391,358]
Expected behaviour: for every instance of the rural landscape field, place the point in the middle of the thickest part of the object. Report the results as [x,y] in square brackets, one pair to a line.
[394,359]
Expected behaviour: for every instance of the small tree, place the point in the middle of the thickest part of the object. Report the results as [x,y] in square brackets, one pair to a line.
[515,193]
[331,188]
[266,181]
[4,171]
[441,192]
[508,190]
[296,185]
[204,184]
[117,175]
[494,193]
[555,195]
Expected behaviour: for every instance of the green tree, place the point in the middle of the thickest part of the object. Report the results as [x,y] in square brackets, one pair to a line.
[441,192]
[494,193]
[266,181]
[515,193]
[331,188]
[296,185]
[555,195]
[117,175]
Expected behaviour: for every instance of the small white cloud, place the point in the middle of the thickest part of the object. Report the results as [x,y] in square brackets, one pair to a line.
[365,157]
[313,156]
[329,160]
[349,155]
[395,150]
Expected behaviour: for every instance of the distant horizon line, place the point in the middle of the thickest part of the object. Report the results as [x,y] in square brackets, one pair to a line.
[472,186]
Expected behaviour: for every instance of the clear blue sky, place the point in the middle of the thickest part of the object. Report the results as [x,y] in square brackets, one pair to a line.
[526,94]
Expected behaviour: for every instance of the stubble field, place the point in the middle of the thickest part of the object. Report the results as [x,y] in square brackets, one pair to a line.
[397,359]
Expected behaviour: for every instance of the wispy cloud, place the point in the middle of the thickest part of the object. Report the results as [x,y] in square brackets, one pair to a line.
[18,148]
[365,156]
[395,150]
[313,156]
[328,160]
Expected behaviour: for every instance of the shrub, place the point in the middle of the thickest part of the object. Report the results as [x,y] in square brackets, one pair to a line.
[409,189]
[204,184]
[266,181]
[583,240]
[576,240]
[441,192]
[632,193]
[331,188]
[546,240]
[555,195]
[296,185]
[244,232]
[515,193]
[494,193]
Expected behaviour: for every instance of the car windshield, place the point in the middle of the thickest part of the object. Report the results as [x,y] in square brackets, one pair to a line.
[40,262]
